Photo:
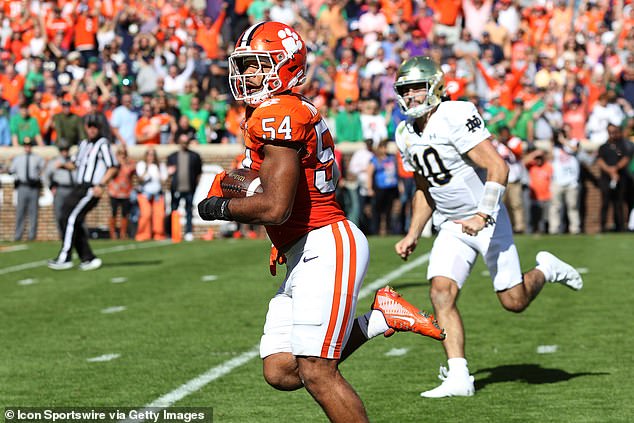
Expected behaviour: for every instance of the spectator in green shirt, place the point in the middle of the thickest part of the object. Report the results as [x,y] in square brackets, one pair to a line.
[124,79]
[198,118]
[34,78]
[68,125]
[256,10]
[521,120]
[496,116]
[348,123]
[184,99]
[23,125]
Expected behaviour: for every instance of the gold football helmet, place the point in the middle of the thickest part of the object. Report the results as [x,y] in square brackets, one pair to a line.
[419,73]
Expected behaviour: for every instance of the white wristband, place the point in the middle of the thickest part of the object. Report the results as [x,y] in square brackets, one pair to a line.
[493,193]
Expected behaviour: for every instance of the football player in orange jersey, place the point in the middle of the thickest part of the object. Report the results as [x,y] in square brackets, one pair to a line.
[310,326]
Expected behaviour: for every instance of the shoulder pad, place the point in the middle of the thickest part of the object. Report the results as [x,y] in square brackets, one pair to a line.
[282,118]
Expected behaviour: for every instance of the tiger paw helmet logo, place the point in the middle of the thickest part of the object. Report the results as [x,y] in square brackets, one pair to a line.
[290,40]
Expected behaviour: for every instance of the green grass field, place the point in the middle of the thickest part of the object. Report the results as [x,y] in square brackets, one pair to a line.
[193,306]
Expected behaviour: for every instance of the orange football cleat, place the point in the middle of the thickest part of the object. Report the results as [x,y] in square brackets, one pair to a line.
[403,317]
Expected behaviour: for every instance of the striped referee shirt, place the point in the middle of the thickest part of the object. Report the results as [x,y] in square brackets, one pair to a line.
[93,159]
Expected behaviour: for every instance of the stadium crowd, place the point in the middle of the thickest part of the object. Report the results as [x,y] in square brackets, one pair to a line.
[554,81]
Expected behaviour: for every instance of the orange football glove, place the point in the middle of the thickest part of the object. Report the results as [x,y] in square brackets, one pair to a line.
[274,259]
[216,190]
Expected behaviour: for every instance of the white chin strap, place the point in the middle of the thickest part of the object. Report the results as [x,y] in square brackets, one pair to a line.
[418,111]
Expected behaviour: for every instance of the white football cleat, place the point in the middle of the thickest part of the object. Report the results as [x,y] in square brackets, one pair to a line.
[93,264]
[189,237]
[560,271]
[453,385]
[59,265]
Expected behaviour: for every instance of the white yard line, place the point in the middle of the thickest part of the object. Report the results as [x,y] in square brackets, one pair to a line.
[102,251]
[209,278]
[113,309]
[397,352]
[222,369]
[12,248]
[547,349]
[102,358]
[119,279]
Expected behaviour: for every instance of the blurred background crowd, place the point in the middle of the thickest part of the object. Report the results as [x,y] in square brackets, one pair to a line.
[554,81]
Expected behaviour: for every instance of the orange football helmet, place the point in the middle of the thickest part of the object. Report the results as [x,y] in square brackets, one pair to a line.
[274,55]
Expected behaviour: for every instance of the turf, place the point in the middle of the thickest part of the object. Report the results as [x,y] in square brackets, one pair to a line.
[177,326]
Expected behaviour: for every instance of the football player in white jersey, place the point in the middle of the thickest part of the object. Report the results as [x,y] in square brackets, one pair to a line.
[443,142]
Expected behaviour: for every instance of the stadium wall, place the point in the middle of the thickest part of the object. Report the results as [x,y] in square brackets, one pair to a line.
[219,155]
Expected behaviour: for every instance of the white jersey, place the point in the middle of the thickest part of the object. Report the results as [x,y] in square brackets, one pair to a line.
[565,167]
[439,155]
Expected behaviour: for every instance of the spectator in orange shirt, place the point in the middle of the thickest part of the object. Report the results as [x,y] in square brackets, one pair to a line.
[575,117]
[15,44]
[57,24]
[233,121]
[208,35]
[540,174]
[538,21]
[12,84]
[455,84]
[110,8]
[85,32]
[347,78]
[332,21]
[166,121]
[505,82]
[588,20]
[561,20]
[119,190]
[42,115]
[397,9]
[446,17]
[151,199]
[147,128]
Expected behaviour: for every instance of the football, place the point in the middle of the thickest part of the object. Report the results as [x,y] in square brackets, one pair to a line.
[241,183]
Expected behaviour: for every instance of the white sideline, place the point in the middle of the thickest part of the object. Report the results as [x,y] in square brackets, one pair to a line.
[216,372]
[118,248]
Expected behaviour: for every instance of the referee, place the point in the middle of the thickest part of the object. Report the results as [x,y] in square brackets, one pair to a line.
[94,167]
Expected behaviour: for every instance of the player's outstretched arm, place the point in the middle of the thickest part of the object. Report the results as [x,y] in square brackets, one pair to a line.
[421,213]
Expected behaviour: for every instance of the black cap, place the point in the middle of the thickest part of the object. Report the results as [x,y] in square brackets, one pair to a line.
[92,120]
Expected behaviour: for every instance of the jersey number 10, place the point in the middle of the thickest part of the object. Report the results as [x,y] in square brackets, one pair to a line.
[433,169]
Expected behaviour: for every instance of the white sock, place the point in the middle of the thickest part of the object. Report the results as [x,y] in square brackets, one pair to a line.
[372,323]
[546,271]
[458,366]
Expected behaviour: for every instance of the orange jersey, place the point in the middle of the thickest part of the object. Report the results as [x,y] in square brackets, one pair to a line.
[456,86]
[55,25]
[85,30]
[292,120]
